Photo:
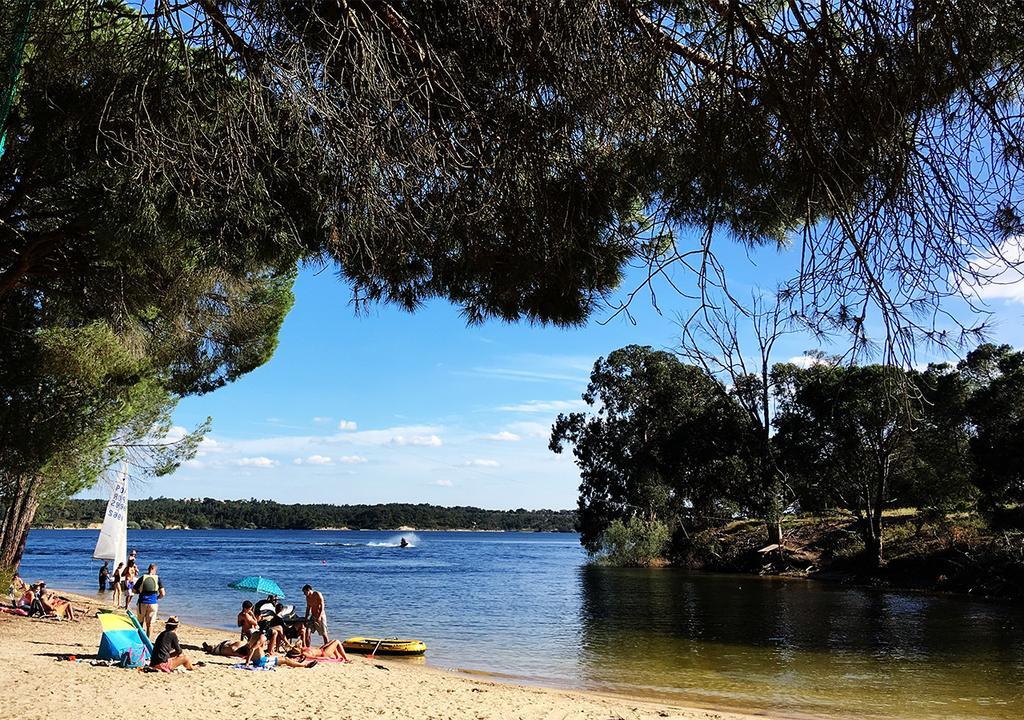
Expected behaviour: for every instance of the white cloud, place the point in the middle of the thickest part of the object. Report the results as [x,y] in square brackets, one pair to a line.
[503,436]
[998,275]
[442,483]
[481,463]
[416,440]
[545,406]
[347,425]
[527,375]
[530,429]
[318,460]
[320,420]
[261,462]
[804,361]
[352,459]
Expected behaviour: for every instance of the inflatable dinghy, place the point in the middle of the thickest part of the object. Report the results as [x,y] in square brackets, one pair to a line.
[384,646]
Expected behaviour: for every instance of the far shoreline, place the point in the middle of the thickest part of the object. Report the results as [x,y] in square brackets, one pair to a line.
[97,526]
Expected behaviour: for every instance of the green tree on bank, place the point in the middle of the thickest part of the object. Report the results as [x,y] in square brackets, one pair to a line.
[675,447]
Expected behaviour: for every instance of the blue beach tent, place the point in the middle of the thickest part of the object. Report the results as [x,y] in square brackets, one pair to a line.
[123,641]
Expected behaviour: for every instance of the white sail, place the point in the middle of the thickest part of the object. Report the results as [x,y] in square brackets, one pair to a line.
[113,541]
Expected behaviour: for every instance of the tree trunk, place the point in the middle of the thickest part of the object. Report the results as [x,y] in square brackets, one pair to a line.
[20,503]
[774,526]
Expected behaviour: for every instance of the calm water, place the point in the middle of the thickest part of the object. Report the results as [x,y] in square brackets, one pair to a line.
[527,606]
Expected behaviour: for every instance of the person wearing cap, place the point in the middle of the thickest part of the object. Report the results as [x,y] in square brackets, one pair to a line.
[167,654]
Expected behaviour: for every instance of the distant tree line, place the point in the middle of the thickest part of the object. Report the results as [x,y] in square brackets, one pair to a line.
[158,513]
[670,449]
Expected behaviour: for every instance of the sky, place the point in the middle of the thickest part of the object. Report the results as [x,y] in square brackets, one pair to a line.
[389,406]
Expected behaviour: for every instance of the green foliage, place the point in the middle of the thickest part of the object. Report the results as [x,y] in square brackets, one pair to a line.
[667,442]
[205,513]
[633,543]
[996,411]
[124,285]
[663,441]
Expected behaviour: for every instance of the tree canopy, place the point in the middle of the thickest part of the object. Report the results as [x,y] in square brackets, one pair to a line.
[667,441]
[118,296]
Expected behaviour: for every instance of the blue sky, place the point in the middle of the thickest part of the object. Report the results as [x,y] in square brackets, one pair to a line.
[398,407]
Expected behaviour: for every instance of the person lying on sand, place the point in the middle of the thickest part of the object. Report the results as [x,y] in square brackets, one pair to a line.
[261,656]
[167,654]
[329,651]
[228,648]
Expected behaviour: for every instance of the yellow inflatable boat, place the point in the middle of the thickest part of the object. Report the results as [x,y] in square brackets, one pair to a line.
[384,646]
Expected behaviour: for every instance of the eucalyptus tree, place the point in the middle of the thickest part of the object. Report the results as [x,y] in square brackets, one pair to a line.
[735,341]
[995,376]
[846,435]
[663,442]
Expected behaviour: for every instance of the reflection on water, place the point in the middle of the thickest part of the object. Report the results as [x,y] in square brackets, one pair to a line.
[525,606]
[798,645]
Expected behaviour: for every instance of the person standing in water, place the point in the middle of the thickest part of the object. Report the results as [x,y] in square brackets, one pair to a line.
[128,578]
[104,574]
[118,584]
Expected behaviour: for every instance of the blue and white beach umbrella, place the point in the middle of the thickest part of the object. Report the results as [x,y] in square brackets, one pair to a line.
[258,584]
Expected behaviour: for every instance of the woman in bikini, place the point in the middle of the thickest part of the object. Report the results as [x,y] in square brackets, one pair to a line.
[260,656]
[118,585]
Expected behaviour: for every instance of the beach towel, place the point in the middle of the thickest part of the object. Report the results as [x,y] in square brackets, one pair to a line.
[243,666]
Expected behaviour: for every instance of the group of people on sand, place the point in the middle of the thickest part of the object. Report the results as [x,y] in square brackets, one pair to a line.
[36,601]
[271,634]
[127,582]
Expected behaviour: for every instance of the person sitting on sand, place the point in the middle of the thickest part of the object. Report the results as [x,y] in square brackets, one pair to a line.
[27,598]
[247,620]
[167,654]
[261,656]
[53,605]
[228,648]
[18,588]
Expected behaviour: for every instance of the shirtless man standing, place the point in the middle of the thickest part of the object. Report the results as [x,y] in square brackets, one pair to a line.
[316,615]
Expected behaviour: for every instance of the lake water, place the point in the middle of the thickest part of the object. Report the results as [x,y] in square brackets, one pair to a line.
[527,607]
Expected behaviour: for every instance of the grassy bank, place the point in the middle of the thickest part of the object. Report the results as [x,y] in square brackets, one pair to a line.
[961,553]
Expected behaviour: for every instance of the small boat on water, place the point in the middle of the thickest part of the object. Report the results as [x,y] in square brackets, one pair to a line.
[384,646]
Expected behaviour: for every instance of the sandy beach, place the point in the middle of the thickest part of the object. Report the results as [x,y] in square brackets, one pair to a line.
[35,682]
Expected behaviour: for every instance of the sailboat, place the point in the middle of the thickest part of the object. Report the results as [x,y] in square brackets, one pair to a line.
[112,543]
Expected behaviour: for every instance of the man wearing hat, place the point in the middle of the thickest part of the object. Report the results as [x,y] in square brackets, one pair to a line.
[167,654]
